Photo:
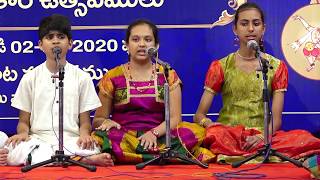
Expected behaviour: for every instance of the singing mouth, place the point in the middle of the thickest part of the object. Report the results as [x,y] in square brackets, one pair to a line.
[251,37]
[141,52]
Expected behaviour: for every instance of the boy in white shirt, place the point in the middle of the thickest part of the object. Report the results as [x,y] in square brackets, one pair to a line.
[37,98]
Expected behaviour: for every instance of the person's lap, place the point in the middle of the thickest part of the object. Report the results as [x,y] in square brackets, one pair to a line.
[126,148]
[3,151]
[40,151]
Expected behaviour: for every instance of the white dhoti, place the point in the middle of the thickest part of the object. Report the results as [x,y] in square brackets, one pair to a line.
[41,151]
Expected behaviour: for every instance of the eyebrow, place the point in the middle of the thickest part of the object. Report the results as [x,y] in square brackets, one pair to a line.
[246,20]
[142,36]
[55,33]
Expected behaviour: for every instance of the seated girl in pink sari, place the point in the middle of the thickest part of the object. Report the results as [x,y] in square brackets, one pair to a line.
[130,124]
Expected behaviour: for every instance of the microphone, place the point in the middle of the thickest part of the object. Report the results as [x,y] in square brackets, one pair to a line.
[152,51]
[252,44]
[264,64]
[56,51]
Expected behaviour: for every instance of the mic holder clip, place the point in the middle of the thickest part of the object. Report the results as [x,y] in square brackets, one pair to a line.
[264,64]
[60,67]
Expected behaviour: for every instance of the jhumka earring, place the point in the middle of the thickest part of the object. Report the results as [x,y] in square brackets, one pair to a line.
[261,44]
[236,40]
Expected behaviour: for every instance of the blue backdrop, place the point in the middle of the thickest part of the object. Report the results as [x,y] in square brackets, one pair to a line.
[189,41]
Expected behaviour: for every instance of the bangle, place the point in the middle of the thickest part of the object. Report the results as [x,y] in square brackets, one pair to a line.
[204,121]
[155,132]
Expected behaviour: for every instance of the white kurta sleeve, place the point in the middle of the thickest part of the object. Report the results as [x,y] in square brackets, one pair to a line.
[23,97]
[88,99]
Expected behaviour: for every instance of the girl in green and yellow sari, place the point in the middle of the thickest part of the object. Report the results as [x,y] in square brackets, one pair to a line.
[239,129]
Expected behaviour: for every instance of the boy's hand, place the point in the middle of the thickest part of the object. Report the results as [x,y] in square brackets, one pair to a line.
[16,139]
[3,156]
[86,142]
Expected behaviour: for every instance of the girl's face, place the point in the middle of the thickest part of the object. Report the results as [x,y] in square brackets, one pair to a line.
[249,26]
[141,38]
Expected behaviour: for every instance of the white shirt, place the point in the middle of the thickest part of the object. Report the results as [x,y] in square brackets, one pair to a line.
[38,94]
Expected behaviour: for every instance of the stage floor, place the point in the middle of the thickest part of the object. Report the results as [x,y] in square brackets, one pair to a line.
[280,171]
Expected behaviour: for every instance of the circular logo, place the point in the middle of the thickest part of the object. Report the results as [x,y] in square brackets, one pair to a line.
[301,41]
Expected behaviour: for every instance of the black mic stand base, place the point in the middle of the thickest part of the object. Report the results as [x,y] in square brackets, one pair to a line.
[60,159]
[263,152]
[168,154]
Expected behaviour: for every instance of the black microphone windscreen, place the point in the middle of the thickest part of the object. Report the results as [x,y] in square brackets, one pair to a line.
[151,51]
[252,44]
[56,50]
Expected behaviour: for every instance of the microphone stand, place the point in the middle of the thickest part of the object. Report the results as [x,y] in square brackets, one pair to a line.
[59,158]
[267,150]
[168,153]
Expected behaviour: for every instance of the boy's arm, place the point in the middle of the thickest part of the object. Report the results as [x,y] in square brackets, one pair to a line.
[23,129]
[85,140]
[24,122]
[85,123]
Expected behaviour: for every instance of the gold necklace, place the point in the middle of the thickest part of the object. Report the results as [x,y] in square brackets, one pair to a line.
[141,88]
[243,57]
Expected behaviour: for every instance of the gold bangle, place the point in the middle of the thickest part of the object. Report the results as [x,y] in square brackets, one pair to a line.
[204,121]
